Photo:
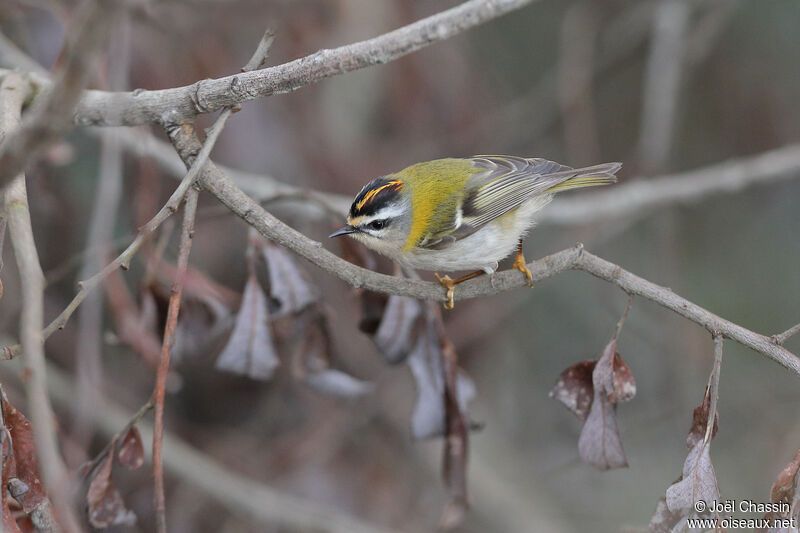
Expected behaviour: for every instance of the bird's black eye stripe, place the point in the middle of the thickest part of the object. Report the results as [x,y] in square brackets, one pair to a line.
[377,224]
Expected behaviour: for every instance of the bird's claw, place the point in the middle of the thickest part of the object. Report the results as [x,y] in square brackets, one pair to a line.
[448,283]
[519,264]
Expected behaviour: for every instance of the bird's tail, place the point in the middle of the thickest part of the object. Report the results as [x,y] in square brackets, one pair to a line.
[587,177]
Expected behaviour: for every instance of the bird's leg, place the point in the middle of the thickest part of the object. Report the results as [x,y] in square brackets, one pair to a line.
[450,285]
[519,264]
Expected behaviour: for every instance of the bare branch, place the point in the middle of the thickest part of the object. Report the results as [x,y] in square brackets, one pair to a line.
[783,337]
[52,116]
[13,92]
[101,108]
[575,258]
[185,246]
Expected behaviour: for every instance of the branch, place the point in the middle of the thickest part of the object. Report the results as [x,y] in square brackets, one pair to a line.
[219,185]
[783,337]
[52,116]
[187,232]
[102,108]
[13,92]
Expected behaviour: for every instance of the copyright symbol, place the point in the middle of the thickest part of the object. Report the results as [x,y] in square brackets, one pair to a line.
[699,506]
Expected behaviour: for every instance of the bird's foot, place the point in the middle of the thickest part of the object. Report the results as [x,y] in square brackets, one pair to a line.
[519,264]
[450,284]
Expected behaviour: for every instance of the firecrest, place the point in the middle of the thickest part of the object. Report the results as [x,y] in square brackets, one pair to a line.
[462,214]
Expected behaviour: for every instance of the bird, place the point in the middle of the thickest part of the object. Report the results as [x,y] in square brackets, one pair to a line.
[460,214]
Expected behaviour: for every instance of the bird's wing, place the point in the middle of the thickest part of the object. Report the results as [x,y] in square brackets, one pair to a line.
[505,182]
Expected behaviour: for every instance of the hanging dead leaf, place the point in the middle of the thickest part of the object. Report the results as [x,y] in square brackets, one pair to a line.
[425,361]
[131,451]
[249,350]
[698,482]
[287,284]
[785,488]
[664,520]
[599,443]
[574,388]
[700,421]
[613,375]
[106,507]
[26,464]
[9,522]
[395,334]
[337,383]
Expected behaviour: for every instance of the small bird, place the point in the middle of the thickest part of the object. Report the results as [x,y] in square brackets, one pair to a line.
[462,213]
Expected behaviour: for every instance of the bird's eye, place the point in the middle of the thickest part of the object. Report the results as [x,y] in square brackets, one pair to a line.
[377,224]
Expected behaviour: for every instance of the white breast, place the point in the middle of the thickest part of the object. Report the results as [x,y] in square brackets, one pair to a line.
[483,249]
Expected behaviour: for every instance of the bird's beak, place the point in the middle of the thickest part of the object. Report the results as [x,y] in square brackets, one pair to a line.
[344,231]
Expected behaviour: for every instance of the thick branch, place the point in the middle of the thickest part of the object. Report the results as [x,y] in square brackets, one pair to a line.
[13,92]
[142,107]
[575,258]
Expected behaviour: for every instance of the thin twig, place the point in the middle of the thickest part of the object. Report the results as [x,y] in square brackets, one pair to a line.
[783,337]
[123,259]
[13,92]
[90,466]
[621,321]
[52,116]
[260,56]
[185,246]
[713,389]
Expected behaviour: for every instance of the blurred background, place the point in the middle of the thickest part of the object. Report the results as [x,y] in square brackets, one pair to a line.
[664,86]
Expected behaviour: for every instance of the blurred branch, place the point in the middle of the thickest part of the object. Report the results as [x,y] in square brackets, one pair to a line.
[219,185]
[662,83]
[185,246]
[14,90]
[688,187]
[102,108]
[52,114]
[243,496]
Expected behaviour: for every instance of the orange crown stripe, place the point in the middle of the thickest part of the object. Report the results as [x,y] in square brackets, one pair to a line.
[394,185]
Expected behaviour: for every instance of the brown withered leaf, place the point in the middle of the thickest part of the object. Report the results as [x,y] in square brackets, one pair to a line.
[700,421]
[106,507]
[249,350]
[131,451]
[425,361]
[698,481]
[288,285]
[8,520]
[395,334]
[26,464]
[613,375]
[574,388]
[785,486]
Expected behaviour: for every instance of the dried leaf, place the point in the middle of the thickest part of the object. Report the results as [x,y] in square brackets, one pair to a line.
[394,336]
[699,422]
[249,350]
[131,451]
[664,520]
[8,521]
[201,320]
[425,361]
[613,375]
[784,490]
[106,507]
[26,464]
[337,383]
[699,482]
[574,388]
[599,443]
[287,284]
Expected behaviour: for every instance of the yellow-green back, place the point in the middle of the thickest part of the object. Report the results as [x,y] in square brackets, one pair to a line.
[436,187]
